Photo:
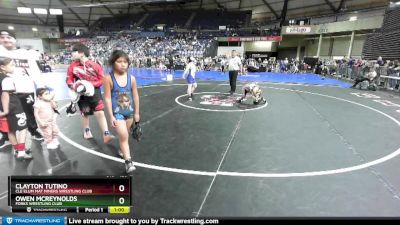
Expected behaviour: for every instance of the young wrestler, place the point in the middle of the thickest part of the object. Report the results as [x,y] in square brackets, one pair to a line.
[189,75]
[122,101]
[255,91]
[84,69]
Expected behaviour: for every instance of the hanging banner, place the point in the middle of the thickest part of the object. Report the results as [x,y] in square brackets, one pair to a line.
[267,38]
[72,40]
[298,30]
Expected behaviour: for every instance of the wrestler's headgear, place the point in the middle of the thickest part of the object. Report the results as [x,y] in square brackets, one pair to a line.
[136,131]
[84,87]
[81,87]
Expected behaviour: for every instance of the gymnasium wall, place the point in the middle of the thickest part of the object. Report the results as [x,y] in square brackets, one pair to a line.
[51,46]
[31,43]
[335,46]
[260,46]
[227,50]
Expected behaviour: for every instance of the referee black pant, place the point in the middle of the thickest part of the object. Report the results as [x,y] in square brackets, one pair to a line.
[232,79]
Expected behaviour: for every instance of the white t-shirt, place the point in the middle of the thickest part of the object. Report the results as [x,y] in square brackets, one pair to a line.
[234,63]
[8,84]
[27,72]
[4,52]
[34,54]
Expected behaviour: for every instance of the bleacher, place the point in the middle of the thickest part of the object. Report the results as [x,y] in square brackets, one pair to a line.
[180,19]
[385,42]
[119,22]
[220,18]
[169,18]
[391,20]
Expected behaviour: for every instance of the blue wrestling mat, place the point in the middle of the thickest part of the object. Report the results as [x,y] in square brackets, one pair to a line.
[146,76]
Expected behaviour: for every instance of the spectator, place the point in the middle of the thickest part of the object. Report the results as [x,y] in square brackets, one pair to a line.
[370,76]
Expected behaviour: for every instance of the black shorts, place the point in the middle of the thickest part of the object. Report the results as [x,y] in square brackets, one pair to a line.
[90,104]
[16,117]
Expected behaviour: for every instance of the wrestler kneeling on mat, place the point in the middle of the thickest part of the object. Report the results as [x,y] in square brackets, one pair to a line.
[255,91]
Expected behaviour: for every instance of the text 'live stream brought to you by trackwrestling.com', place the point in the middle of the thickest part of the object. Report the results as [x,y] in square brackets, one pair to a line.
[58,220]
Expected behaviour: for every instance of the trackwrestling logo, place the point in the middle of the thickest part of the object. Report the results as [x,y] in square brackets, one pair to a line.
[54,220]
[218,100]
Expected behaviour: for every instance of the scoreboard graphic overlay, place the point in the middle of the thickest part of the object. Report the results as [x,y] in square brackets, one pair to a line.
[41,194]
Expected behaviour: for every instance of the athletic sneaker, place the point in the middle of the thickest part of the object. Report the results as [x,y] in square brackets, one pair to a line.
[108,137]
[37,136]
[4,140]
[129,167]
[120,153]
[190,99]
[26,154]
[4,143]
[192,96]
[51,146]
[87,134]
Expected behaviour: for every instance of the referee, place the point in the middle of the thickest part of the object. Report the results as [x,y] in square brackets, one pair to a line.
[234,66]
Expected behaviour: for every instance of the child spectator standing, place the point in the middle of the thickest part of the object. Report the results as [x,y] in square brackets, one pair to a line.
[13,117]
[45,114]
